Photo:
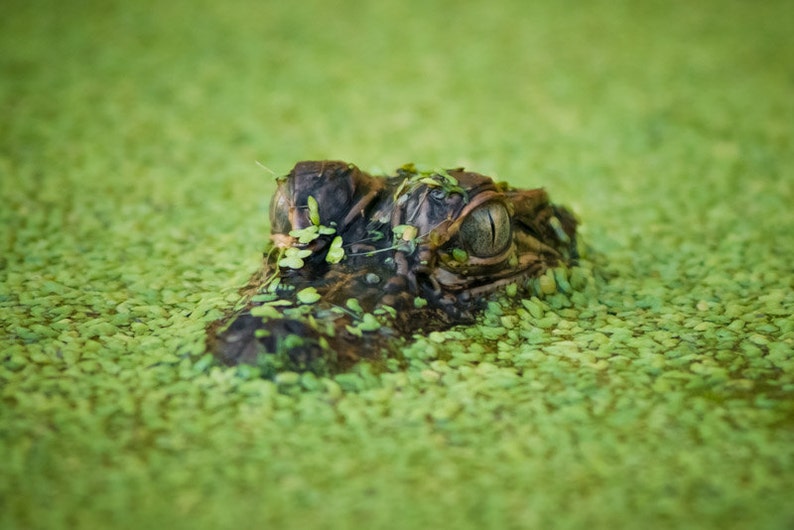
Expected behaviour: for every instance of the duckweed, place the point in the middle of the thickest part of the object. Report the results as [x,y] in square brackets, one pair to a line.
[651,386]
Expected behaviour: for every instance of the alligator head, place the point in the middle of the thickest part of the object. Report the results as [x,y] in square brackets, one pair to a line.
[355,261]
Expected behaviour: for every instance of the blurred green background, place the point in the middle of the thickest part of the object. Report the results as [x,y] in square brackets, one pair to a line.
[133,204]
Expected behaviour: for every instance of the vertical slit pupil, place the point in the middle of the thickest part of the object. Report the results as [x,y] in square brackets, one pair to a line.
[493,227]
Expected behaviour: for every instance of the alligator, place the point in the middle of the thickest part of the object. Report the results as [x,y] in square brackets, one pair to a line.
[357,263]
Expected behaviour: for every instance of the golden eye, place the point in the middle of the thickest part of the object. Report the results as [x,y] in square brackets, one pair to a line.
[486,230]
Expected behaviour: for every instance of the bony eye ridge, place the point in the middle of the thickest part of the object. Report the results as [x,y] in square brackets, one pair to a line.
[486,231]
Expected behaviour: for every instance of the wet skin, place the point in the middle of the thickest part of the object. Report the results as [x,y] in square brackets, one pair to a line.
[357,262]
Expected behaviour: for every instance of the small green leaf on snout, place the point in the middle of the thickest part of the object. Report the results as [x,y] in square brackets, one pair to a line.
[386,310]
[305,235]
[369,323]
[292,262]
[353,330]
[309,295]
[314,210]
[353,305]
[293,258]
[335,252]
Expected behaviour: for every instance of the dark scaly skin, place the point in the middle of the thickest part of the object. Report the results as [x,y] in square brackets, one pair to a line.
[421,252]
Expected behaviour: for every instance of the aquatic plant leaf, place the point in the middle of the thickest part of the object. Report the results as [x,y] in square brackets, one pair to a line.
[336,252]
[369,323]
[291,262]
[354,306]
[314,210]
[306,235]
[309,295]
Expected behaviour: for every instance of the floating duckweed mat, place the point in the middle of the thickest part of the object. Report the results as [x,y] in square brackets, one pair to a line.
[651,388]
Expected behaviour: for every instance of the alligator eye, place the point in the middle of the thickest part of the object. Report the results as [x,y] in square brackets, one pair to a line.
[486,230]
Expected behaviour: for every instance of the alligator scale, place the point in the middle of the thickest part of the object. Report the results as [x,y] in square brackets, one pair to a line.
[356,262]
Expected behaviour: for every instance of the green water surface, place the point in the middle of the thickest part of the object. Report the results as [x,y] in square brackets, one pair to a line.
[653,389]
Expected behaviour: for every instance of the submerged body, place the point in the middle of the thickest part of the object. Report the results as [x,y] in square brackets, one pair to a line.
[357,261]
